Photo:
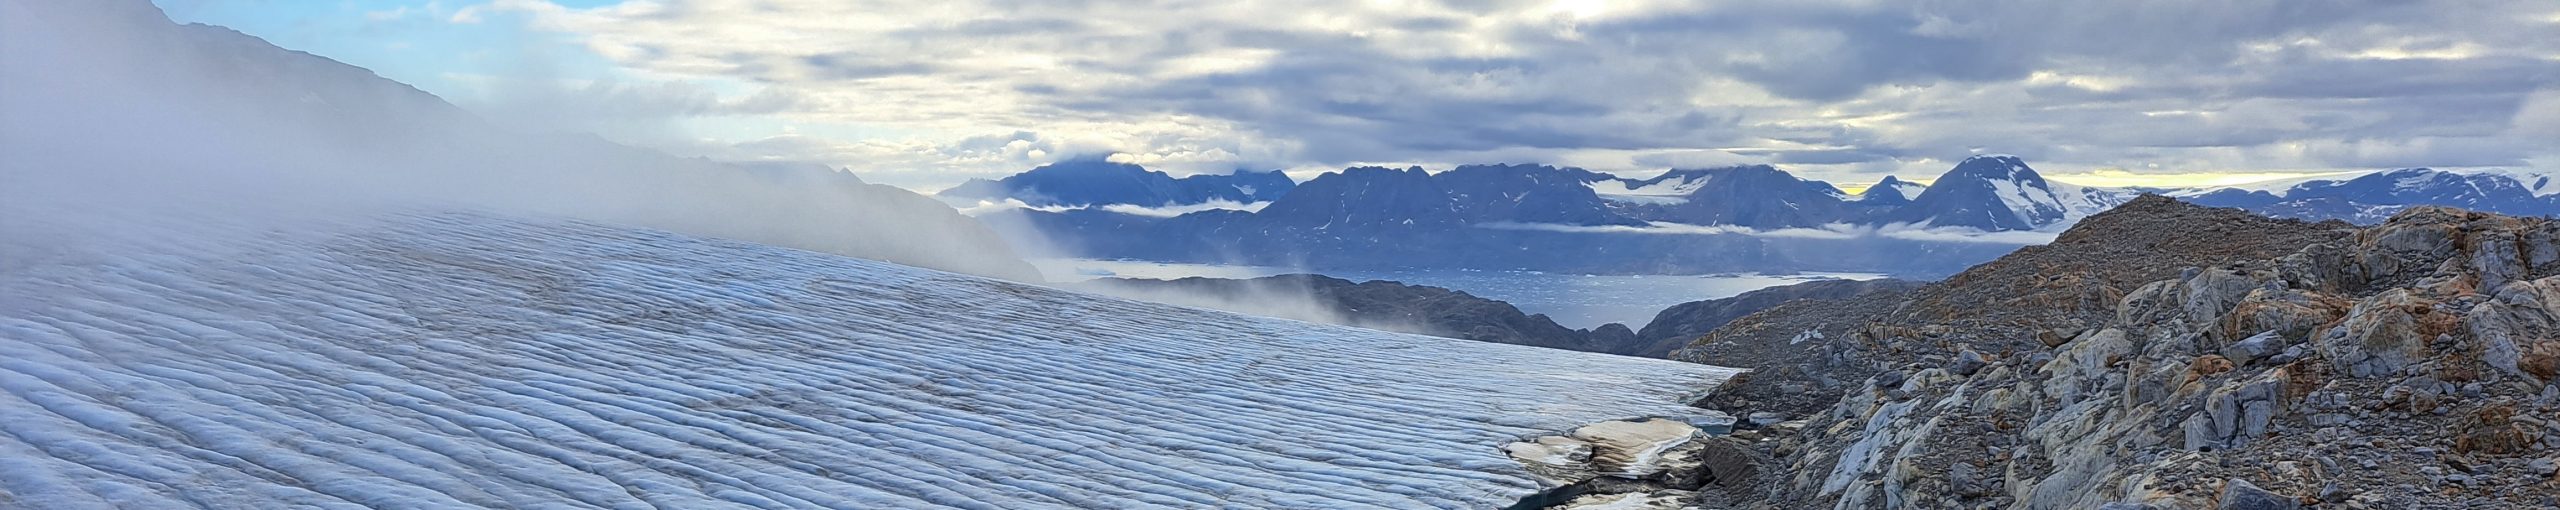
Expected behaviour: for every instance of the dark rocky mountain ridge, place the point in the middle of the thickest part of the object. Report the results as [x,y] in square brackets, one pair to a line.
[1730,219]
[1427,310]
[1525,217]
[1384,305]
[2373,197]
[1095,182]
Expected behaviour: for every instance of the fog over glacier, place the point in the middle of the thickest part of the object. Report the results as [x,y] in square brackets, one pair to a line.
[118,117]
[111,107]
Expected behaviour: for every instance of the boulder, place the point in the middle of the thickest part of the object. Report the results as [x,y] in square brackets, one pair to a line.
[2255,347]
[2518,332]
[2290,313]
[2380,336]
[2413,242]
[1967,362]
[2082,364]
[2238,494]
[2212,292]
[1711,422]
[1766,418]
[2236,414]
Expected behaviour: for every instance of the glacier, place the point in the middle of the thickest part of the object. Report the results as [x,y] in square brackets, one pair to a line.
[436,360]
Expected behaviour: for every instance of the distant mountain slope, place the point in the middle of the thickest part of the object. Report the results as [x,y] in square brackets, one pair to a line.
[1891,192]
[2373,197]
[1676,326]
[1362,198]
[1095,183]
[1757,196]
[453,360]
[108,100]
[1384,305]
[1529,194]
[1999,192]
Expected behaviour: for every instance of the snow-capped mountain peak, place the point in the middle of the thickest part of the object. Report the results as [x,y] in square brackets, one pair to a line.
[2000,192]
[1890,190]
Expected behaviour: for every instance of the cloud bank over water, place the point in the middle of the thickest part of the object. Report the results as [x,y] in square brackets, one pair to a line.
[1837,231]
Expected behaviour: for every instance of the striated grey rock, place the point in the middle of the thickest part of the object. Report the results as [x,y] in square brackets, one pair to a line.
[2212,292]
[2235,414]
[2379,337]
[2256,347]
[1967,362]
[2238,494]
[2521,313]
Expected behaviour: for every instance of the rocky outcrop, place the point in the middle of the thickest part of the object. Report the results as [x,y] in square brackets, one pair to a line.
[1806,353]
[2404,365]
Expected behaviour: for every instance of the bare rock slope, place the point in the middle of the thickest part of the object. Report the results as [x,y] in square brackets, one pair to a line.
[2170,356]
[1802,350]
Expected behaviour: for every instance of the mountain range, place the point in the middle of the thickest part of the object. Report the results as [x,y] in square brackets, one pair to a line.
[1991,192]
[1739,218]
[1539,217]
[2373,197]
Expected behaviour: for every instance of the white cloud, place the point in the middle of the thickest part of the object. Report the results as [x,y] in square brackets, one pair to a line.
[1178,210]
[983,207]
[1901,231]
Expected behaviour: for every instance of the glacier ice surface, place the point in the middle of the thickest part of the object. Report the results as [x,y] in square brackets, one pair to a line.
[451,360]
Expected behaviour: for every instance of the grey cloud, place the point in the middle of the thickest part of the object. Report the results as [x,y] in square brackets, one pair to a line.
[856,66]
[1862,86]
[1818,156]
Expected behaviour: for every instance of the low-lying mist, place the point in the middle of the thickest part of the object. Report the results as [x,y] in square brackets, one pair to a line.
[1268,297]
[108,109]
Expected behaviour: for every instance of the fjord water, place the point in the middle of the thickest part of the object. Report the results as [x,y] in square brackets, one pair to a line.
[1573,300]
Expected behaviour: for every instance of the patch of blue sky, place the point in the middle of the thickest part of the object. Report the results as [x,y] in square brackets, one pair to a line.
[418,42]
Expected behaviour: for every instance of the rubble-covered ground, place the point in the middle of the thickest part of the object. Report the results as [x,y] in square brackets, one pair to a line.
[2170,356]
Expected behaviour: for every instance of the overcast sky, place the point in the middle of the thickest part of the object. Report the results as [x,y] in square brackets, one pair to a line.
[926,93]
